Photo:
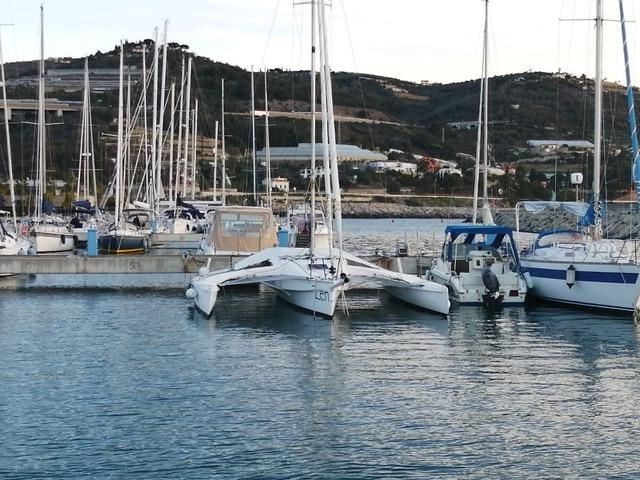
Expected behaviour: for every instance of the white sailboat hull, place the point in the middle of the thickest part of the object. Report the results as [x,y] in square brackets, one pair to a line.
[609,286]
[53,239]
[422,297]
[313,295]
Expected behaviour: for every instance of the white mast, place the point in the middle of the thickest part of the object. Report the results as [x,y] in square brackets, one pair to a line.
[126,167]
[335,182]
[154,123]
[162,113]
[224,155]
[253,137]
[187,108]
[312,229]
[215,163]
[325,147]
[8,141]
[178,163]
[41,184]
[119,142]
[194,152]
[145,135]
[597,129]
[267,147]
[486,213]
[171,130]
[476,169]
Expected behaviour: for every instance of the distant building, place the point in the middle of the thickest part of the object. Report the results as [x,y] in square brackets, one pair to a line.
[279,183]
[302,153]
[402,167]
[557,144]
[306,172]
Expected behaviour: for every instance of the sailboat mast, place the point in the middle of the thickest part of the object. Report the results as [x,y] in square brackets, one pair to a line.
[325,147]
[312,102]
[631,109]
[42,164]
[180,122]
[597,129]
[215,163]
[335,181]
[194,150]
[81,154]
[118,210]
[145,135]
[8,140]
[485,121]
[126,169]
[253,137]
[171,130]
[85,130]
[476,169]
[185,155]
[224,154]
[267,146]
[163,87]
[154,122]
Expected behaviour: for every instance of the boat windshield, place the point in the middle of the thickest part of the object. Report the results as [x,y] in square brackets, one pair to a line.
[561,238]
[241,224]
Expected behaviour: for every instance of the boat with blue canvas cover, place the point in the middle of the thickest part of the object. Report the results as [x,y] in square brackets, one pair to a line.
[570,266]
[580,267]
[480,263]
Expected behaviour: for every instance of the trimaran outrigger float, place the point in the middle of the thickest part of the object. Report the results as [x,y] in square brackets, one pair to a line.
[309,278]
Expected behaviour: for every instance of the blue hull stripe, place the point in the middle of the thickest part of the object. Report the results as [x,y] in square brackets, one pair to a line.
[600,277]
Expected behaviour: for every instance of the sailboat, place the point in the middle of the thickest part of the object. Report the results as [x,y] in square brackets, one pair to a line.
[479,263]
[309,278]
[51,234]
[123,236]
[580,267]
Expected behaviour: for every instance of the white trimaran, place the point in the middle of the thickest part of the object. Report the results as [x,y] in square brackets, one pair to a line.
[479,262]
[582,268]
[309,278]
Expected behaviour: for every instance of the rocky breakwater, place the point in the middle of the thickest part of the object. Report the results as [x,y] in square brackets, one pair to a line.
[395,210]
[620,222]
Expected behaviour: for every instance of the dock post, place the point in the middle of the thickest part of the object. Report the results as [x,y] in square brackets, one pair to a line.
[92,242]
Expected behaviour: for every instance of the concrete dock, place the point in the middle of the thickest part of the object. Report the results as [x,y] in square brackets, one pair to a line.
[82,264]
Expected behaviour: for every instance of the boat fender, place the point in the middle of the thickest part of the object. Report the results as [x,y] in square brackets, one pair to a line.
[571,276]
[203,271]
[191,293]
[344,277]
[75,240]
[63,239]
[528,280]
[194,229]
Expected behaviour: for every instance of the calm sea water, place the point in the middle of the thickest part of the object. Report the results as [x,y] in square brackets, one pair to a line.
[131,382]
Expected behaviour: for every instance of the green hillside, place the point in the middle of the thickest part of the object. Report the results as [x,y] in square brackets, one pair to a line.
[523,106]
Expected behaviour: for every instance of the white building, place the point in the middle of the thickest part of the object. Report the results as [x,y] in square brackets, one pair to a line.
[402,167]
[302,153]
[557,144]
[306,172]
[279,183]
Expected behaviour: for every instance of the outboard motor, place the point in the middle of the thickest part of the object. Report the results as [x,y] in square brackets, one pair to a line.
[492,298]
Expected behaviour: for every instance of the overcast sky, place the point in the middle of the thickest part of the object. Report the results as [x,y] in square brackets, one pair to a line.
[437,40]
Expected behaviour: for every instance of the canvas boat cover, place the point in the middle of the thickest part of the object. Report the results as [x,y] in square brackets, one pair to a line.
[243,229]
